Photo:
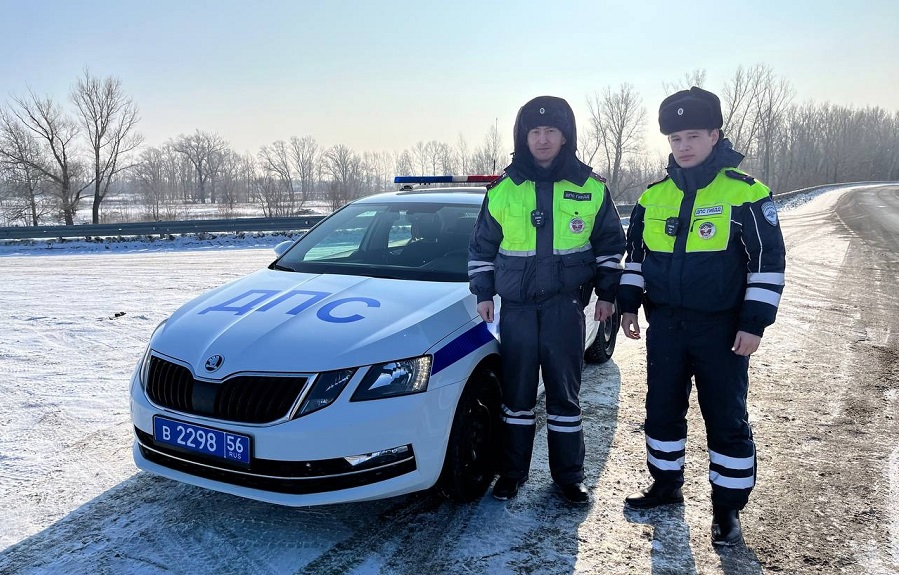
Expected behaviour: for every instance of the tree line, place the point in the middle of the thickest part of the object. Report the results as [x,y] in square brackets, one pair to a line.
[57,157]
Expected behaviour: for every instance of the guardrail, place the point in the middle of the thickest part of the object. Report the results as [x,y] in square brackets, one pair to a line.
[161,228]
[298,223]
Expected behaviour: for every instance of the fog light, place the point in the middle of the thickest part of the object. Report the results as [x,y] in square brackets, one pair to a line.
[381,457]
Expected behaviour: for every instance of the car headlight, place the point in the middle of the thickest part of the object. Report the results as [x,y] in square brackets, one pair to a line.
[394,378]
[325,390]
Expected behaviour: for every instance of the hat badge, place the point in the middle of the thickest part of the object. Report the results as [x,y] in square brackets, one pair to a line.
[542,110]
[680,111]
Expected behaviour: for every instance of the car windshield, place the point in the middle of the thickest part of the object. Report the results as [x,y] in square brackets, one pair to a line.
[416,241]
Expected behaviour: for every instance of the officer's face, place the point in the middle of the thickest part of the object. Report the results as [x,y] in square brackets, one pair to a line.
[692,147]
[544,142]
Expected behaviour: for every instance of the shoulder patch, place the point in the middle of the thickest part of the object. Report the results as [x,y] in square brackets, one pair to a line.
[596,176]
[769,210]
[657,182]
[734,174]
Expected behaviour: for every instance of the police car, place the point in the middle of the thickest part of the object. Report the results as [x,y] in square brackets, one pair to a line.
[354,367]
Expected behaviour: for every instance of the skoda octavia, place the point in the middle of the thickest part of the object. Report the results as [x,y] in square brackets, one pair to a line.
[353,367]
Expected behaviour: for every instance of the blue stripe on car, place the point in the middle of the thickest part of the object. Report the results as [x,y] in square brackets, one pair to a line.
[461,346]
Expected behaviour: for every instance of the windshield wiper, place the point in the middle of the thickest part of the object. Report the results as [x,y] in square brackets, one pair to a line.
[279,267]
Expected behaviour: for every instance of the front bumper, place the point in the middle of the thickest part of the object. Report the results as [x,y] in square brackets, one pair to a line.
[306,461]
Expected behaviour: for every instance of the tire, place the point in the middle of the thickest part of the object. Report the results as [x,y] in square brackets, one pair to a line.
[602,348]
[473,449]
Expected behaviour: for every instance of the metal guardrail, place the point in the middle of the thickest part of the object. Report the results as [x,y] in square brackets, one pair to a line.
[298,223]
[161,228]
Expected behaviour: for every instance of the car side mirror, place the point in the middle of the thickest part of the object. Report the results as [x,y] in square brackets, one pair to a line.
[283,247]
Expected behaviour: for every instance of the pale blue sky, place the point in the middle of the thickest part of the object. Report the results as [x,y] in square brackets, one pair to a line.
[383,75]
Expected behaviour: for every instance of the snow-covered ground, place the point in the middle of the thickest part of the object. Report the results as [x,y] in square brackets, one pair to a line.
[74,326]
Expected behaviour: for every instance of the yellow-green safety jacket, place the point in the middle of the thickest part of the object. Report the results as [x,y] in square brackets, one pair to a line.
[715,249]
[536,240]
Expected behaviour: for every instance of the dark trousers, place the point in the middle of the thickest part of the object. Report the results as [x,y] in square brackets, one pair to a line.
[681,345]
[549,338]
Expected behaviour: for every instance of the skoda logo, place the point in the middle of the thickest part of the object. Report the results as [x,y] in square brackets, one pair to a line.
[214,362]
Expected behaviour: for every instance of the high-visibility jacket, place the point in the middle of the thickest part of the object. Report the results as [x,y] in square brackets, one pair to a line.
[714,249]
[535,240]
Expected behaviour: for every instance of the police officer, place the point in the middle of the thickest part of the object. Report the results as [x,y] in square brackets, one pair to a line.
[548,235]
[705,256]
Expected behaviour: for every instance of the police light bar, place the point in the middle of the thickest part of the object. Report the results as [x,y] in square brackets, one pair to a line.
[443,179]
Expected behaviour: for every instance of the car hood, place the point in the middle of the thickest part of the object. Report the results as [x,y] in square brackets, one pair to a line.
[274,321]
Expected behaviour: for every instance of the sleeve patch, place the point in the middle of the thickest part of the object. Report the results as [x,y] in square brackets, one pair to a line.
[769,210]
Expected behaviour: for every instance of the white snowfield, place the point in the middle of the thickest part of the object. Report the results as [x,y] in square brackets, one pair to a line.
[75,320]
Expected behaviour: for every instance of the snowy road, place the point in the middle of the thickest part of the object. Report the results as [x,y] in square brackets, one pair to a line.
[823,398]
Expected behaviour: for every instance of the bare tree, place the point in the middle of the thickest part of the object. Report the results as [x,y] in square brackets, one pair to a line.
[269,192]
[446,159]
[202,149]
[405,164]
[344,167]
[304,153]
[740,109]
[109,119]
[275,161]
[636,173]
[617,123]
[463,155]
[232,183]
[25,182]
[55,133]
[492,156]
[149,175]
[421,155]
[771,102]
[380,167]
[689,79]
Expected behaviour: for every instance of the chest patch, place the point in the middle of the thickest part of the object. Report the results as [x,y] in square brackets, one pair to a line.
[713,211]
[769,210]
[576,225]
[707,230]
[578,197]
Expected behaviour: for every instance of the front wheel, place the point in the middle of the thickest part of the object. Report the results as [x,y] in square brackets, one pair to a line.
[602,348]
[473,449]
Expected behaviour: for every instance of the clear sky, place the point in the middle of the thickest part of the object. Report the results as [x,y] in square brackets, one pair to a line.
[382,75]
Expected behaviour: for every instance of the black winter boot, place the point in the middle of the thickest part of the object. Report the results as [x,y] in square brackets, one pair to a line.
[506,488]
[575,492]
[653,496]
[726,530]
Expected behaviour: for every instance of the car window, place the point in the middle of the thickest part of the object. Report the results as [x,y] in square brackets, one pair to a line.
[341,242]
[400,231]
[394,240]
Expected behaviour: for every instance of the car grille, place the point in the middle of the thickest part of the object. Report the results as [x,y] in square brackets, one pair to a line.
[242,399]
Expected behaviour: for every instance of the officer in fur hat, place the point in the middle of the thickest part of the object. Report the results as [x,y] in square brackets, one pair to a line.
[547,236]
[705,257]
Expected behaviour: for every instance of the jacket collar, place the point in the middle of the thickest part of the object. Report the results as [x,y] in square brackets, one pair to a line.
[691,179]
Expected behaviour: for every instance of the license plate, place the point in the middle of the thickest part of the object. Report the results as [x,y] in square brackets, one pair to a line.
[223,445]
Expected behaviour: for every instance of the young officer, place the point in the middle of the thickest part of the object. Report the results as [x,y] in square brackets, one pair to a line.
[547,236]
[705,256]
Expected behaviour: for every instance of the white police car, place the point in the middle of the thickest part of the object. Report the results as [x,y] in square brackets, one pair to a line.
[354,367]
